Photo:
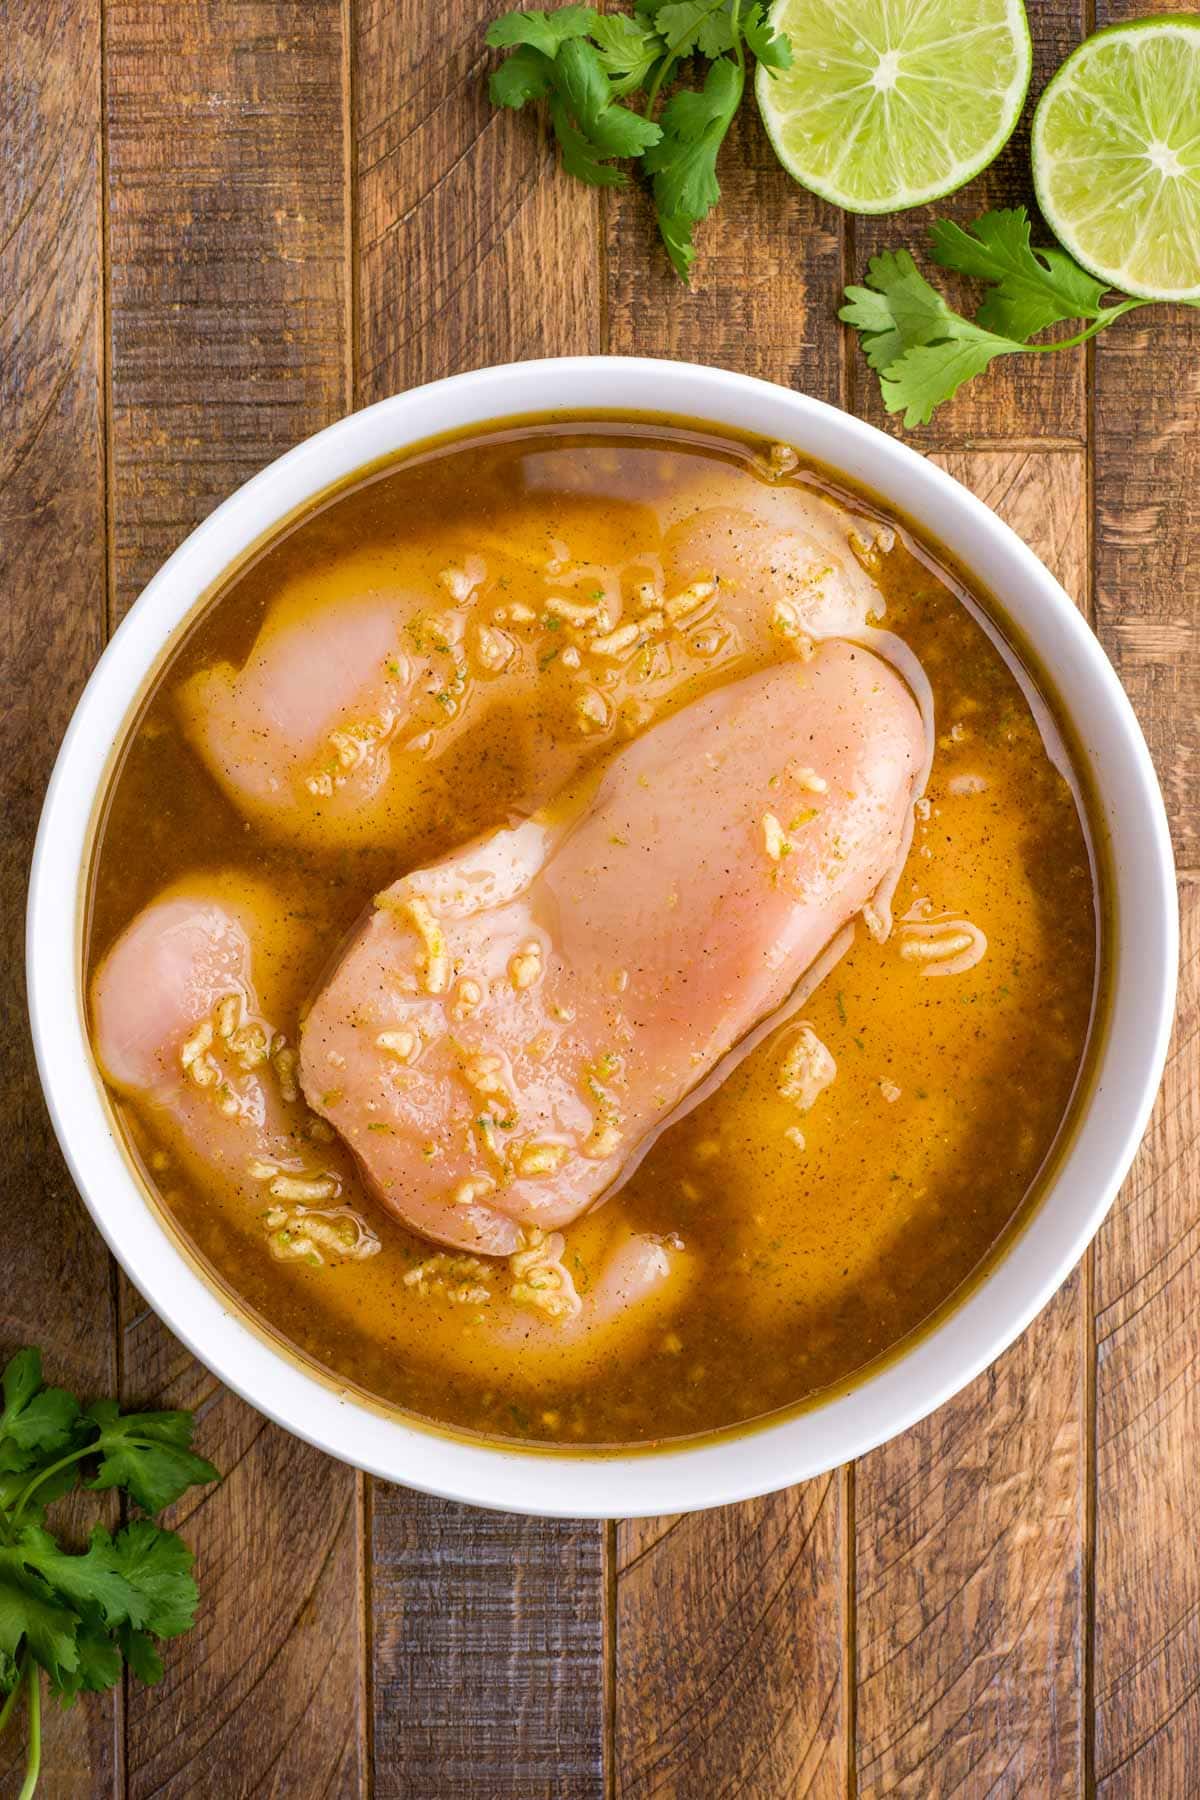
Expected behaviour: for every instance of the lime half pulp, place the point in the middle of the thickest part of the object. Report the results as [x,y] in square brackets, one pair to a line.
[1116,156]
[890,103]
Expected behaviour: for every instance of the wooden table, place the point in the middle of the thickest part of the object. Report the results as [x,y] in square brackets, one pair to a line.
[222,224]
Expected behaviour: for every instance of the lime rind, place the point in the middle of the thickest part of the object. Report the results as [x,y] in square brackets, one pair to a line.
[1116,156]
[887,106]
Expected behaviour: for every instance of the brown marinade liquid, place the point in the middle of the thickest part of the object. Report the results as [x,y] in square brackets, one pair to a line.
[950,1094]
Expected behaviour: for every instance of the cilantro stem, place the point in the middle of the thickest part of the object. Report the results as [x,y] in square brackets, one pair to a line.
[33,1766]
[1081,337]
[6,1711]
[652,92]
[736,33]
[63,1462]
[671,56]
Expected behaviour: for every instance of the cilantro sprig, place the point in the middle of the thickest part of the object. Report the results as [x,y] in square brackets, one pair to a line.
[923,351]
[583,64]
[79,1616]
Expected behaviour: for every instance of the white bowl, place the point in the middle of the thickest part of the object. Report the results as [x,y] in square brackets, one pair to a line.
[1125,1078]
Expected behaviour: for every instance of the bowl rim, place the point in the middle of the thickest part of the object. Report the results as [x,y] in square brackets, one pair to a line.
[945,1358]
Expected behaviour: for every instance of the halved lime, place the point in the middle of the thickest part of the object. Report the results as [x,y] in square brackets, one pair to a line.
[1116,156]
[889,103]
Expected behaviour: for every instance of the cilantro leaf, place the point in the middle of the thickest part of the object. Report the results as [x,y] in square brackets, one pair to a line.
[922,348]
[772,48]
[553,60]
[924,351]
[688,26]
[584,87]
[20,1382]
[147,1454]
[78,1615]
[98,1666]
[928,374]
[897,310]
[578,156]
[137,1647]
[157,1565]
[50,1486]
[89,1579]
[36,1420]
[583,62]
[30,1613]
[544,31]
[683,164]
[629,49]
[1034,288]
[523,76]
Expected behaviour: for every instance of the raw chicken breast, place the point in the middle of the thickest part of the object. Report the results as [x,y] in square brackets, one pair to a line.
[509,1028]
[180,1030]
[785,562]
[303,731]
[365,691]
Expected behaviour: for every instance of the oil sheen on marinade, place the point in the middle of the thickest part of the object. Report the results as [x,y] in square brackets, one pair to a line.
[847,1175]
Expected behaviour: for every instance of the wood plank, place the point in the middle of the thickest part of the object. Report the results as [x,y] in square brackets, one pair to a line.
[56,1289]
[1147,486]
[971,1535]
[489,1647]
[229,331]
[473,248]
[263,1696]
[487,1631]
[228,254]
[729,1650]
[728,1671]
[1147,1645]
[1020,397]
[1147,1667]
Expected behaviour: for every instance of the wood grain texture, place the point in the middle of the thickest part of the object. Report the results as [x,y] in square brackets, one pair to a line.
[488,1644]
[764,288]
[229,334]
[55,1281]
[1022,398]
[473,247]
[1147,1427]
[1147,486]
[971,1527]
[970,1565]
[729,1625]
[228,253]
[487,1635]
[729,1651]
[263,1697]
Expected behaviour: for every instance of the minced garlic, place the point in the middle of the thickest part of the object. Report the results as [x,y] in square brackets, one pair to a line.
[616,643]
[471,1189]
[304,1187]
[286,1063]
[688,600]
[525,967]
[468,997]
[533,1160]
[774,837]
[806,1070]
[591,711]
[434,962]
